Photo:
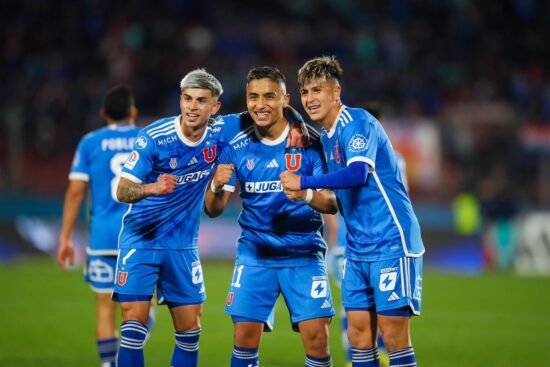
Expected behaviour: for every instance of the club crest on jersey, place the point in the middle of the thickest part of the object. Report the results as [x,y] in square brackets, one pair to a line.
[250,164]
[358,143]
[230,298]
[173,163]
[122,277]
[141,142]
[293,161]
[337,153]
[209,154]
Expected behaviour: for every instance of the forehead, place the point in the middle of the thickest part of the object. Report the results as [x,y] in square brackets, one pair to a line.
[262,86]
[323,84]
[197,92]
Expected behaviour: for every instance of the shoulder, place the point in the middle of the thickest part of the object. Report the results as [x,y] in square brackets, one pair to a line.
[160,127]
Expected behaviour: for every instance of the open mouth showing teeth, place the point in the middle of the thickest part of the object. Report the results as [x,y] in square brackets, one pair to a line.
[262,114]
[313,108]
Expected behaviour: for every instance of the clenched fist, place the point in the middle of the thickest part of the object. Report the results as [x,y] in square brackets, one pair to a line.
[223,175]
[166,184]
[290,181]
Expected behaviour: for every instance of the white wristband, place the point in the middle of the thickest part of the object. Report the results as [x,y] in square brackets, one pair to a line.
[215,189]
[309,196]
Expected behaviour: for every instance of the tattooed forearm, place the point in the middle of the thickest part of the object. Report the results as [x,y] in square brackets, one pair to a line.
[130,192]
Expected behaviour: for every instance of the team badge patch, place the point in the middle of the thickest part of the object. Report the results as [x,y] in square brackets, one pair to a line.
[250,164]
[293,161]
[173,163]
[141,142]
[132,160]
[122,277]
[230,298]
[336,153]
[358,143]
[209,154]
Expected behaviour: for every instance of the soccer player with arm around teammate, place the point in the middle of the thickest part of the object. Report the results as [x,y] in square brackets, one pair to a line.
[96,168]
[281,249]
[382,283]
[164,179]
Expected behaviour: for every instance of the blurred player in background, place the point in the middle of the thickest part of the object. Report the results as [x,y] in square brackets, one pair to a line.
[281,249]
[382,278]
[335,236]
[96,168]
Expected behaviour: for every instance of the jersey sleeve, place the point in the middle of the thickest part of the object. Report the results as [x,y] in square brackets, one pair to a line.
[80,169]
[359,141]
[228,157]
[140,162]
[231,125]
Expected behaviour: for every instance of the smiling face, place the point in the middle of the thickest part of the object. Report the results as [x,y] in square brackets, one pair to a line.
[321,100]
[265,100]
[197,105]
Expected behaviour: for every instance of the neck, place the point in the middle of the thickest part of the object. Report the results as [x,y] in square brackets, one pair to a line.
[330,119]
[120,122]
[193,133]
[273,131]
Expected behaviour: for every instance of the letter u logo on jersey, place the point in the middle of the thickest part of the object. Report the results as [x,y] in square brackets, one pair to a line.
[122,277]
[209,154]
[293,161]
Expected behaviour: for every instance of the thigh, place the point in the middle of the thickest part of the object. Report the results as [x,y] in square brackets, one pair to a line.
[100,273]
[397,284]
[181,280]
[306,290]
[252,293]
[357,289]
[136,275]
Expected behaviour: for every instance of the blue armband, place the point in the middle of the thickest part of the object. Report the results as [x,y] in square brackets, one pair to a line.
[353,175]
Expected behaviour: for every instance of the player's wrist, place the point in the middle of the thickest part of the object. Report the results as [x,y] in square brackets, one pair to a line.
[215,189]
[309,196]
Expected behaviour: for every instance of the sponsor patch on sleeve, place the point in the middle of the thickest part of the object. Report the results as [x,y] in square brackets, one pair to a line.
[132,160]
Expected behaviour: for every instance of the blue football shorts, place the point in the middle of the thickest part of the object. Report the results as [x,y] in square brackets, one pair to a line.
[99,272]
[176,275]
[383,285]
[255,289]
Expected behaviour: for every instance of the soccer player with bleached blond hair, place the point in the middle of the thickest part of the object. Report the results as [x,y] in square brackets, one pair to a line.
[382,282]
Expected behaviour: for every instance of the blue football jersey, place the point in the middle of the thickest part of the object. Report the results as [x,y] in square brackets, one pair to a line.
[379,216]
[98,160]
[275,230]
[171,221]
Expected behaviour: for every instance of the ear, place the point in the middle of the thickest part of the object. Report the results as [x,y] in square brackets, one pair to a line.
[133,113]
[286,101]
[337,91]
[216,108]
[103,114]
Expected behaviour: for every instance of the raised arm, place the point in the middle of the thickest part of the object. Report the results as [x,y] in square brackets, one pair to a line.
[131,192]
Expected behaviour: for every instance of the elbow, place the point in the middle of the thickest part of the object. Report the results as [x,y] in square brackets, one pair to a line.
[332,209]
[211,212]
[120,195]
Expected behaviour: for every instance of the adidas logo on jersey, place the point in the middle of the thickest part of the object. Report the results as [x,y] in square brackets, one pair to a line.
[326,304]
[193,161]
[393,297]
[273,164]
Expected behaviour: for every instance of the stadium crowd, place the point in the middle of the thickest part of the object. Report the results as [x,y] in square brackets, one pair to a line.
[438,59]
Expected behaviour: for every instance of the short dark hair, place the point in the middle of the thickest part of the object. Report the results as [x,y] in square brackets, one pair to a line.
[267,72]
[118,102]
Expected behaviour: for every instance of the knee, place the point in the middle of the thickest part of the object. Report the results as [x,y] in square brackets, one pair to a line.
[360,336]
[395,339]
[247,337]
[316,341]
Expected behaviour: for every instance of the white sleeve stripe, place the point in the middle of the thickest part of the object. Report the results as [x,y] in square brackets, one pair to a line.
[79,176]
[169,132]
[160,130]
[363,159]
[130,177]
[347,114]
[160,127]
[229,188]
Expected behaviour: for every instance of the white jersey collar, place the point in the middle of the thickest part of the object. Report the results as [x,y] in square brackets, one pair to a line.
[277,141]
[332,130]
[183,138]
